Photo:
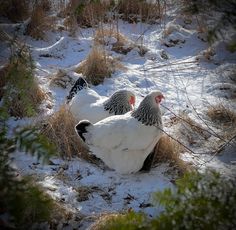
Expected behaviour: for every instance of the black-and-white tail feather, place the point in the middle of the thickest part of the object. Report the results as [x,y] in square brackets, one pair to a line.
[80,84]
[80,128]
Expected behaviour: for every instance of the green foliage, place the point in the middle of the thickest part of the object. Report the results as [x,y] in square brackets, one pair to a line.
[29,205]
[24,201]
[231,46]
[80,8]
[32,141]
[201,201]
[21,95]
[129,221]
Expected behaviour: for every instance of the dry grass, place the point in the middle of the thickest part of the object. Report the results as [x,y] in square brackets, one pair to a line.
[168,150]
[39,22]
[59,128]
[62,79]
[45,4]
[71,24]
[135,11]
[61,214]
[86,13]
[121,47]
[208,53]
[121,43]
[98,66]
[194,126]
[222,115]
[15,10]
[102,33]
[104,219]
[91,13]
[85,191]
[190,131]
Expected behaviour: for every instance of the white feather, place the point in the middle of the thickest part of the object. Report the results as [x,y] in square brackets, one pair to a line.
[87,104]
[122,142]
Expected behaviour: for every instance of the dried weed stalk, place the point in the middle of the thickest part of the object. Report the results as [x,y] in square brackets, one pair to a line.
[145,11]
[15,10]
[62,79]
[103,219]
[59,128]
[222,115]
[98,66]
[86,13]
[168,150]
[39,22]
[121,44]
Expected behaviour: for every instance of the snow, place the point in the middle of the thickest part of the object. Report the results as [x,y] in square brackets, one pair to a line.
[63,177]
[187,83]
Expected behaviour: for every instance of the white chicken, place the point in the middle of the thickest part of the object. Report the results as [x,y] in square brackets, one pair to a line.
[123,142]
[85,103]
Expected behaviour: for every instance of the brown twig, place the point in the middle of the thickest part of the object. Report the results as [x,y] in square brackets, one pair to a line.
[215,134]
[190,150]
[199,127]
[168,64]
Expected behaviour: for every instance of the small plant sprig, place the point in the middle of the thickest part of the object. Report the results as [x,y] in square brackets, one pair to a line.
[199,201]
[22,200]
[21,93]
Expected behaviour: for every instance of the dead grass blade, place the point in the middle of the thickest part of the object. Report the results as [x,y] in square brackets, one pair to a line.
[221,114]
[168,150]
[39,22]
[144,11]
[61,79]
[15,10]
[59,128]
[98,66]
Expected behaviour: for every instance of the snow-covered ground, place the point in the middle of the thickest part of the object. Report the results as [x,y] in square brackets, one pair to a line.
[188,80]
